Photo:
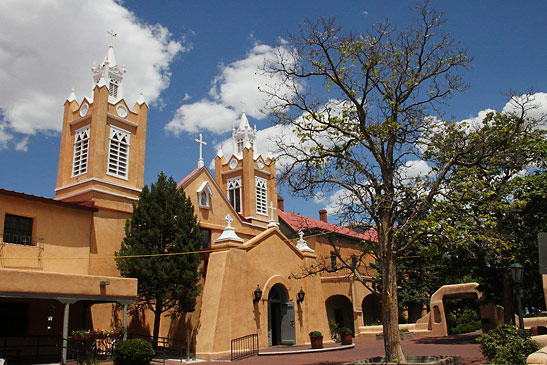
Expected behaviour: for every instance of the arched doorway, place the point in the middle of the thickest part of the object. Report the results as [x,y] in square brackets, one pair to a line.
[280,317]
[340,311]
[371,310]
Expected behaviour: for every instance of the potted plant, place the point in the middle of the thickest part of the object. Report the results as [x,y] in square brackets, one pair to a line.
[80,335]
[346,335]
[316,339]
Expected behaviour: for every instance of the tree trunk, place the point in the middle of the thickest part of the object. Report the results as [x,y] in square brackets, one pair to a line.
[390,310]
[157,318]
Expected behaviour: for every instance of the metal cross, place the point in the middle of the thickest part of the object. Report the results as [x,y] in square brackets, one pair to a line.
[201,144]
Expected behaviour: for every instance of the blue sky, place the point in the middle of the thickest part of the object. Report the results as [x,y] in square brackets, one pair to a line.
[196,61]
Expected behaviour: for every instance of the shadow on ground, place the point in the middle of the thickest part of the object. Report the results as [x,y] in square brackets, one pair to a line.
[462,339]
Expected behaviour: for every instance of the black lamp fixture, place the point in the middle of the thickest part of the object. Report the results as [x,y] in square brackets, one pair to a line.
[300,295]
[257,294]
[517,271]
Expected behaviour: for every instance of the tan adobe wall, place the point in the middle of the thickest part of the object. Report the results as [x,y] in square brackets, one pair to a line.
[65,233]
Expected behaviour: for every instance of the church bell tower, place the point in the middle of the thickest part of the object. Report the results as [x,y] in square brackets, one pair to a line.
[102,151]
[248,179]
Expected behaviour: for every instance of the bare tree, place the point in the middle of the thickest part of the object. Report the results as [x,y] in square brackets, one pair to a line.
[360,106]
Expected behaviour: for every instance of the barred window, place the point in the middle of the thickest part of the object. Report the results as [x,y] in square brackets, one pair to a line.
[17,229]
[81,149]
[118,152]
[234,193]
[261,195]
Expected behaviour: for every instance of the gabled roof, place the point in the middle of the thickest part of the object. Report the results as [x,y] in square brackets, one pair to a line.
[297,222]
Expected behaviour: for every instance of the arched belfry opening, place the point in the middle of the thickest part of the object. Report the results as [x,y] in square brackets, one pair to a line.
[280,317]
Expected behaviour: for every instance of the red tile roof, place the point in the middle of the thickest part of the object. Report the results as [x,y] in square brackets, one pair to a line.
[189,177]
[297,222]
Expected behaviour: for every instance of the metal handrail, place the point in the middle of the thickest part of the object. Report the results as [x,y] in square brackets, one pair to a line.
[243,347]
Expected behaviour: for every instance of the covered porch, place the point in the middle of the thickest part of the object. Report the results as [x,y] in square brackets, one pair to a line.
[40,309]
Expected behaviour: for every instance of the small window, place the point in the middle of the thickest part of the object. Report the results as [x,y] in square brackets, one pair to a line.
[81,149]
[204,195]
[203,199]
[239,145]
[118,152]
[353,261]
[333,261]
[206,235]
[261,186]
[18,229]
[234,193]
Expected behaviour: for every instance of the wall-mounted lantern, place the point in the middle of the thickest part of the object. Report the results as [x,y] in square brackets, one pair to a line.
[300,295]
[257,294]
[104,282]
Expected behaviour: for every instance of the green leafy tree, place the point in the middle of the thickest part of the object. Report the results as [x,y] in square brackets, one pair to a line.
[360,105]
[491,212]
[164,230]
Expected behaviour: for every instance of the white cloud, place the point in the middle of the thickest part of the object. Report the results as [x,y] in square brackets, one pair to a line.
[336,201]
[48,47]
[538,105]
[414,168]
[204,114]
[234,90]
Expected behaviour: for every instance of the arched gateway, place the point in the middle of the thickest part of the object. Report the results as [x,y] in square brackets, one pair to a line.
[280,317]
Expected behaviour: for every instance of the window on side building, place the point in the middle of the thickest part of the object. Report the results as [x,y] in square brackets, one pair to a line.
[18,229]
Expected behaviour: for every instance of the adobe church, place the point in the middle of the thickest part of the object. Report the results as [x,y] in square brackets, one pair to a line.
[58,274]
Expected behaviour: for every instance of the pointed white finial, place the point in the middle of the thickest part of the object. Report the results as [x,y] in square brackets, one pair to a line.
[71,96]
[141,99]
[272,223]
[201,144]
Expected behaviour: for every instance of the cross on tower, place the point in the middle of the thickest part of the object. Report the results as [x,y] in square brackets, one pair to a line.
[201,144]
[272,223]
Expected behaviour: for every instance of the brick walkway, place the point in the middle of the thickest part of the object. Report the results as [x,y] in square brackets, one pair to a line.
[367,347]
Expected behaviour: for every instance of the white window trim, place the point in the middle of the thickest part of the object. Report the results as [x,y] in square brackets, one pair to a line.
[80,132]
[205,188]
[239,186]
[113,131]
[261,183]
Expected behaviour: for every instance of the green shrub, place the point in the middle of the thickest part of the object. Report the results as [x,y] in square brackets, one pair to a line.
[316,334]
[133,352]
[345,331]
[467,321]
[507,344]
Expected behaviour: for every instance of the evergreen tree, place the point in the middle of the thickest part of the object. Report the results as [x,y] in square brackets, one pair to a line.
[165,230]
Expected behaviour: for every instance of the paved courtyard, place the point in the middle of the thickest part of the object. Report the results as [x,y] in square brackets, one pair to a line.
[367,347]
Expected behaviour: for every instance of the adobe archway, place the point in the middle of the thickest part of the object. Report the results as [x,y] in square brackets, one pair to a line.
[340,311]
[371,310]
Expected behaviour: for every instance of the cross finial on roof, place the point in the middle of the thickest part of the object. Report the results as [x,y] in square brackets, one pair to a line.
[228,220]
[201,144]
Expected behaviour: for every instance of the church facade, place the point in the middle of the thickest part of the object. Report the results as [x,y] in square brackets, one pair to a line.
[258,258]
